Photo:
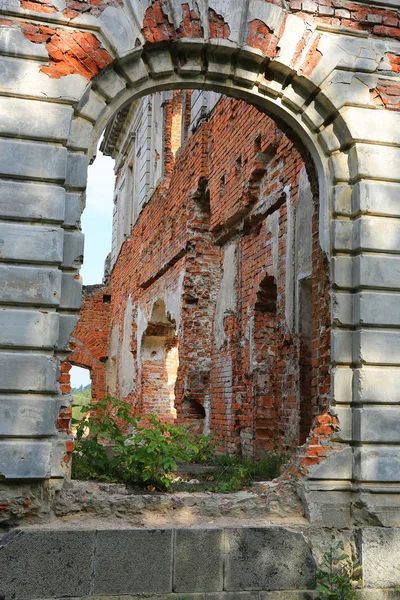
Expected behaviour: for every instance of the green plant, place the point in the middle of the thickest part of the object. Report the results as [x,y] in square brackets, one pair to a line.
[146,456]
[335,583]
[233,473]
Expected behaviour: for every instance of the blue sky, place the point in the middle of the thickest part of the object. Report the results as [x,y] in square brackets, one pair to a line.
[96,225]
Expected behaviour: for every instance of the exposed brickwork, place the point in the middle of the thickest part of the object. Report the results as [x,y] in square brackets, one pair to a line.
[156,24]
[258,393]
[43,6]
[89,342]
[91,7]
[387,94]
[74,7]
[261,37]
[191,25]
[69,51]
[218,27]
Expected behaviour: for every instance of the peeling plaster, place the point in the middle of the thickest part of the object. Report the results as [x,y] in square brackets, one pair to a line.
[226,302]
[126,364]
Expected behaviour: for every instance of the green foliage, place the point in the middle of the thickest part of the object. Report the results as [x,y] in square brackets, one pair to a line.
[233,473]
[82,397]
[335,583]
[147,456]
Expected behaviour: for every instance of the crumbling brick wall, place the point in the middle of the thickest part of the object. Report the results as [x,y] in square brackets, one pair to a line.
[220,232]
[89,342]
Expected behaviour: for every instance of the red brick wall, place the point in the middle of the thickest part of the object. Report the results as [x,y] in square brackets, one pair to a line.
[234,165]
[89,342]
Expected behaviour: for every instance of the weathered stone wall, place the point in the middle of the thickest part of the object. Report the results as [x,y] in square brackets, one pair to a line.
[334,87]
[261,563]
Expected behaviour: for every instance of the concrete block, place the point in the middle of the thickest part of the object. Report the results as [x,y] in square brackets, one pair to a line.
[377,463]
[377,346]
[92,106]
[67,326]
[376,233]
[27,416]
[377,385]
[73,249]
[198,562]
[32,160]
[46,564]
[133,562]
[343,235]
[189,56]
[342,346]
[327,508]
[366,125]
[160,62]
[110,84]
[71,291]
[271,558]
[247,66]
[376,197]
[28,328]
[134,69]
[377,308]
[73,210]
[338,167]
[77,166]
[374,161]
[219,58]
[27,372]
[380,557]
[14,43]
[377,271]
[377,425]
[80,134]
[25,79]
[343,271]
[342,199]
[338,465]
[379,508]
[342,385]
[34,119]
[31,201]
[24,460]
[35,243]
[27,285]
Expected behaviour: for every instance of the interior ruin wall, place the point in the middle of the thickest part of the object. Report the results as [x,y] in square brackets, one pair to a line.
[236,208]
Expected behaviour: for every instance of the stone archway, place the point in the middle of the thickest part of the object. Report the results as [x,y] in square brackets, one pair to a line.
[67,71]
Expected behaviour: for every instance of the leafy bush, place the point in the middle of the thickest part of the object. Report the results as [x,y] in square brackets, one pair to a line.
[150,453]
[335,583]
[146,456]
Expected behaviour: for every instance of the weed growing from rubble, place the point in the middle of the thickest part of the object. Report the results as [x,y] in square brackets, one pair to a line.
[144,456]
[334,580]
[149,454]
